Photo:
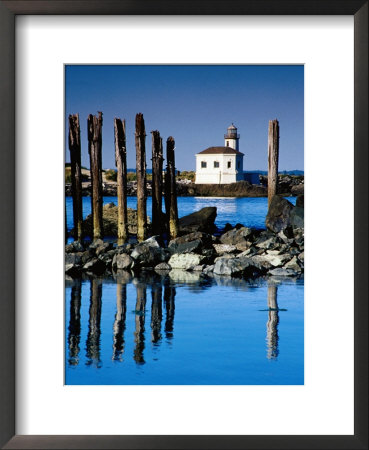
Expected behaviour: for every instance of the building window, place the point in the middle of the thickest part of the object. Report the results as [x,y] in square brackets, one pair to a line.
[227,143]
[216,164]
[238,165]
[203,164]
[229,164]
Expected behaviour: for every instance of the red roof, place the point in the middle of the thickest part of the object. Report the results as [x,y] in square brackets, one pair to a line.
[220,150]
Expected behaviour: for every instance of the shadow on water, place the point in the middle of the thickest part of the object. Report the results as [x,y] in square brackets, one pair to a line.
[74,335]
[272,323]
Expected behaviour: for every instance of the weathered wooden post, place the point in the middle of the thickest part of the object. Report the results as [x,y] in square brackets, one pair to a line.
[157,182]
[273,155]
[121,163]
[170,190]
[272,323]
[140,137]
[76,175]
[94,130]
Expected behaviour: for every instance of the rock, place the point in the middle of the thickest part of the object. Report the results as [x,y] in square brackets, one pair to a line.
[110,221]
[208,269]
[297,217]
[221,249]
[73,258]
[199,268]
[301,257]
[202,220]
[236,236]
[122,261]
[278,217]
[71,269]
[163,266]
[96,243]
[94,266]
[190,243]
[297,190]
[103,248]
[281,272]
[300,201]
[269,261]
[147,254]
[293,264]
[267,243]
[185,261]
[75,246]
[236,266]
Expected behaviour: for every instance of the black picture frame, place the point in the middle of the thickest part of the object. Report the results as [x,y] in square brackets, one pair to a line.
[8,11]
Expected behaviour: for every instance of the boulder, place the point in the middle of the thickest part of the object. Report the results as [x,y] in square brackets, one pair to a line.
[208,269]
[202,220]
[278,217]
[185,261]
[110,221]
[236,267]
[221,249]
[163,266]
[149,254]
[95,266]
[236,236]
[269,261]
[122,261]
[293,264]
[300,201]
[282,272]
[190,243]
[297,217]
[75,246]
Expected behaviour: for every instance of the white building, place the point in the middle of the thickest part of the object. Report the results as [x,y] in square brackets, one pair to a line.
[221,165]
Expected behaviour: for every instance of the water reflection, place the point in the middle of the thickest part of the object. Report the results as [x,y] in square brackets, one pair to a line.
[133,292]
[272,323]
[139,334]
[94,324]
[120,322]
[74,335]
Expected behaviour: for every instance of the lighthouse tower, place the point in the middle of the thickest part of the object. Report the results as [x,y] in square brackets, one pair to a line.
[231,139]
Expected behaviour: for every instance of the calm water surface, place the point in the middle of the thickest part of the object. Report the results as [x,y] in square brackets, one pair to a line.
[250,212]
[183,328]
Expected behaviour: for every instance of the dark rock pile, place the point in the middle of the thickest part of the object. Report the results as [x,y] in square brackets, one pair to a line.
[238,252]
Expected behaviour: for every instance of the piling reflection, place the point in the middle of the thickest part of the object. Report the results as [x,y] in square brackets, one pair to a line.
[169,296]
[139,334]
[272,323]
[156,312]
[74,329]
[94,324]
[120,322]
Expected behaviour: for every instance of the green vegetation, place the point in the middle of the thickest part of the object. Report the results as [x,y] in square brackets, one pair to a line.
[111,175]
[186,175]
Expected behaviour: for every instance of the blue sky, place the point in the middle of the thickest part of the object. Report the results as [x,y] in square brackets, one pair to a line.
[195,104]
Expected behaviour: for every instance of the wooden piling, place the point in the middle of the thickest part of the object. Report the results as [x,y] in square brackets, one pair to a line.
[74,334]
[273,155]
[139,333]
[120,322]
[157,182]
[140,137]
[170,190]
[94,130]
[121,164]
[76,175]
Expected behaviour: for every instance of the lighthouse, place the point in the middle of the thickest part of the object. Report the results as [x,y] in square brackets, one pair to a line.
[221,165]
[231,139]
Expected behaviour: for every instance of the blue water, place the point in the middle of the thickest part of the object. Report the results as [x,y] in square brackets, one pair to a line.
[250,212]
[183,329]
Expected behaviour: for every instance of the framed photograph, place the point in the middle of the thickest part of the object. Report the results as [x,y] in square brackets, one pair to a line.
[153,164]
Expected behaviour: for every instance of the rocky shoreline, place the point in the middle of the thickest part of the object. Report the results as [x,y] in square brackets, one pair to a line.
[238,251]
[287,186]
